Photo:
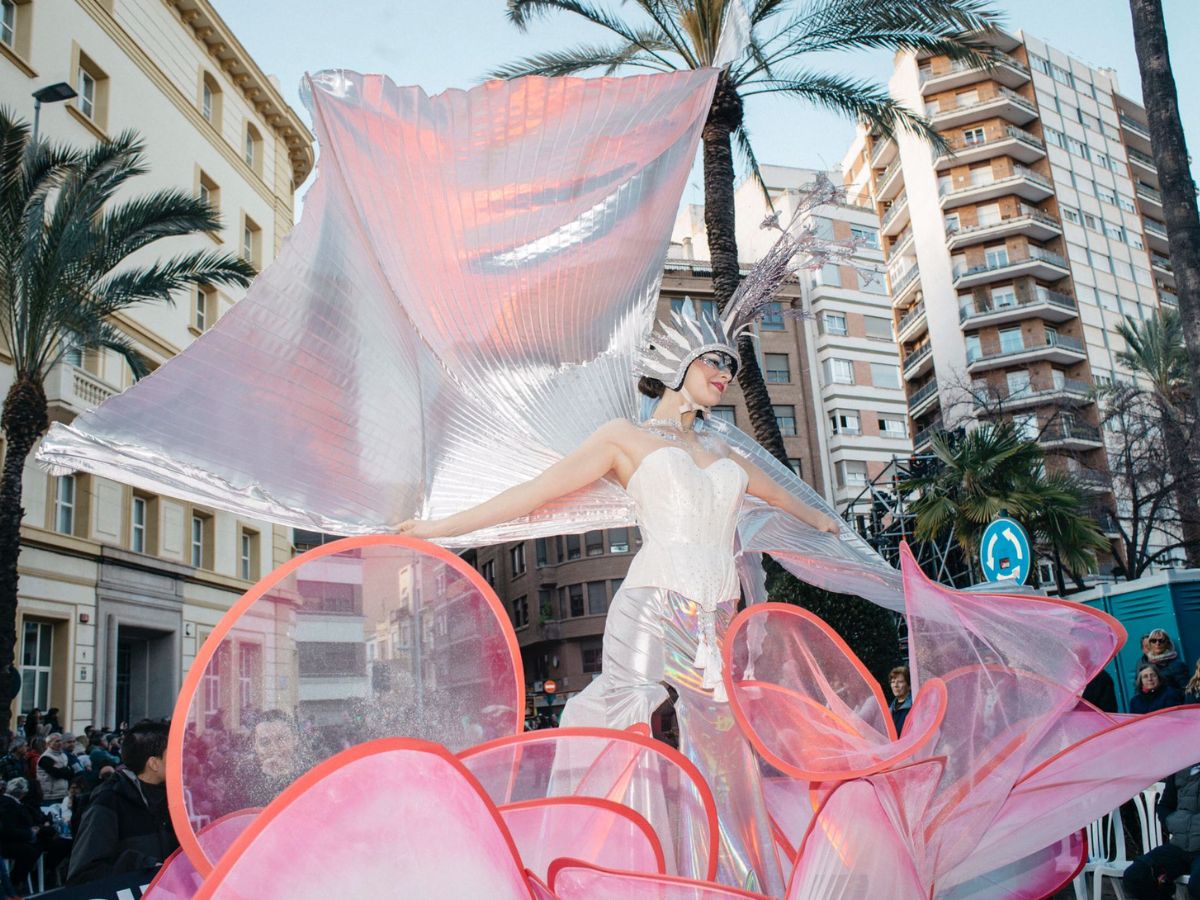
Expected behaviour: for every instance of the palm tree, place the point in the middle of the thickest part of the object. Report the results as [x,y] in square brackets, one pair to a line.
[994,469]
[1154,349]
[1171,158]
[683,34]
[64,244]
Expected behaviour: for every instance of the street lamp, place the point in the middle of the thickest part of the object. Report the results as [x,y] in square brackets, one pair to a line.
[54,93]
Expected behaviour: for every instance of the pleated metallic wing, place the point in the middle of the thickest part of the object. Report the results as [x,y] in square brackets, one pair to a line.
[459,307]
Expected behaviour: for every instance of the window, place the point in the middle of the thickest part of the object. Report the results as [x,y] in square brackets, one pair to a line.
[852,472]
[878,328]
[772,318]
[201,541]
[1018,383]
[796,466]
[868,236]
[37,652]
[86,88]
[822,227]
[248,554]
[210,100]
[885,375]
[251,241]
[1071,215]
[1004,297]
[8,23]
[520,612]
[785,418]
[618,540]
[838,371]
[974,349]
[212,679]
[845,423]
[1062,76]
[573,547]
[540,551]
[699,308]
[488,571]
[64,505]
[988,215]
[1027,426]
[575,597]
[594,543]
[973,136]
[996,257]
[249,674]
[593,659]
[1011,340]
[1079,148]
[1039,63]
[546,604]
[1106,195]
[516,558]
[725,414]
[1116,232]
[893,427]
[778,369]
[209,192]
[834,323]
[252,148]
[137,524]
[597,598]
[1055,137]
[206,307]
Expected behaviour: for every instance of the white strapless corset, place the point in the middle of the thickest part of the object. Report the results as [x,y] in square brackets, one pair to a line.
[687,516]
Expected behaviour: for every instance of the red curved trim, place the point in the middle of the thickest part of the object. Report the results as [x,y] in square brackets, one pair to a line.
[566,862]
[321,771]
[781,841]
[251,811]
[702,788]
[609,806]
[191,682]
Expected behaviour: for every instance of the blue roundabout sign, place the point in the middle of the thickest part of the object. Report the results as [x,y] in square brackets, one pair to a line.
[1004,552]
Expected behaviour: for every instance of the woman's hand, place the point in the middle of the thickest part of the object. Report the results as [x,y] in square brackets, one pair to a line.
[424,529]
[827,523]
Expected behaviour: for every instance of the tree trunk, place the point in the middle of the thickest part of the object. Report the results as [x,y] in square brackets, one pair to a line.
[724,116]
[23,421]
[1171,157]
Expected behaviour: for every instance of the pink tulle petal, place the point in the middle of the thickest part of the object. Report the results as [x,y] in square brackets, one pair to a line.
[808,705]
[598,831]
[1041,874]
[623,767]
[792,804]
[573,879]
[178,878]
[360,639]
[391,818]
[852,850]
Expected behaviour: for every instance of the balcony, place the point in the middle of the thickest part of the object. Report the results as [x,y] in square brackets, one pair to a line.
[1038,263]
[888,184]
[1004,69]
[1167,297]
[901,286]
[71,388]
[1024,183]
[1057,348]
[900,244]
[911,324]
[1150,198]
[1047,305]
[1068,435]
[1006,104]
[923,438]
[1162,263]
[923,398]
[1156,234]
[1015,143]
[1070,392]
[1030,221]
[884,151]
[1092,480]
[918,362]
[1139,128]
[896,216]
[1143,161]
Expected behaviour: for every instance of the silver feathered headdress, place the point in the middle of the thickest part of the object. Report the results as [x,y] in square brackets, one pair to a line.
[685,335]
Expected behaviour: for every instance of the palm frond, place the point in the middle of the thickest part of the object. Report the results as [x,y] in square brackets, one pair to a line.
[583,58]
[742,138]
[522,12]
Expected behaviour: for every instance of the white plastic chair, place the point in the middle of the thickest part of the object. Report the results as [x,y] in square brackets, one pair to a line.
[1146,804]
[1106,857]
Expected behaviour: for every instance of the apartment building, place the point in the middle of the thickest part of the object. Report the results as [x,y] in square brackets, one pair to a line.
[834,382]
[118,588]
[1014,253]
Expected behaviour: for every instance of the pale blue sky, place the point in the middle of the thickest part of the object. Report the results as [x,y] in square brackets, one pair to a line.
[452,43]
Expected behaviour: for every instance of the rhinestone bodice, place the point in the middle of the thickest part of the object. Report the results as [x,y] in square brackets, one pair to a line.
[687,515]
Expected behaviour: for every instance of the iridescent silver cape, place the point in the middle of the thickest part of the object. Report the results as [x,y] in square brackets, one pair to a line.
[461,305]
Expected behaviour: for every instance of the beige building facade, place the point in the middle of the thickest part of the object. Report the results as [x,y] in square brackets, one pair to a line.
[119,588]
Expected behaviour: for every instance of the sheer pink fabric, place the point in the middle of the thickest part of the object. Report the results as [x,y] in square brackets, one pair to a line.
[367,638]
[572,879]
[178,878]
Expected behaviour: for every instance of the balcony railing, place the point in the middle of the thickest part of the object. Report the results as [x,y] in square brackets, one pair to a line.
[909,317]
[1034,393]
[1168,298]
[917,356]
[1144,158]
[1035,297]
[958,142]
[1071,431]
[922,394]
[1155,227]
[905,280]
[1149,193]
[894,209]
[1134,125]
[926,434]
[888,172]
[1052,340]
[966,66]
[1032,213]
[1001,92]
[1033,253]
[1163,262]
[1019,172]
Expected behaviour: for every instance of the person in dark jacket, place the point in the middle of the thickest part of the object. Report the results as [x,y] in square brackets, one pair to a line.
[898,681]
[24,835]
[1161,652]
[1153,875]
[126,825]
[1101,692]
[1150,693]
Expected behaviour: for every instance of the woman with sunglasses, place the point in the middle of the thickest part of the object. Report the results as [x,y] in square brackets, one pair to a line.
[1161,653]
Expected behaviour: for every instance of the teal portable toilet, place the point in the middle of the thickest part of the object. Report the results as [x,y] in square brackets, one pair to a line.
[1169,600]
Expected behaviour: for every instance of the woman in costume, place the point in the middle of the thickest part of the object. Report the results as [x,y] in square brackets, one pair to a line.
[666,623]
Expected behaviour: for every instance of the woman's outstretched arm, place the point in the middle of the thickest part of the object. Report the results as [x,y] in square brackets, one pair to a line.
[764,487]
[590,461]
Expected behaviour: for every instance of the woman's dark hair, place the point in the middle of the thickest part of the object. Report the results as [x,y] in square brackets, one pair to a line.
[651,387]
